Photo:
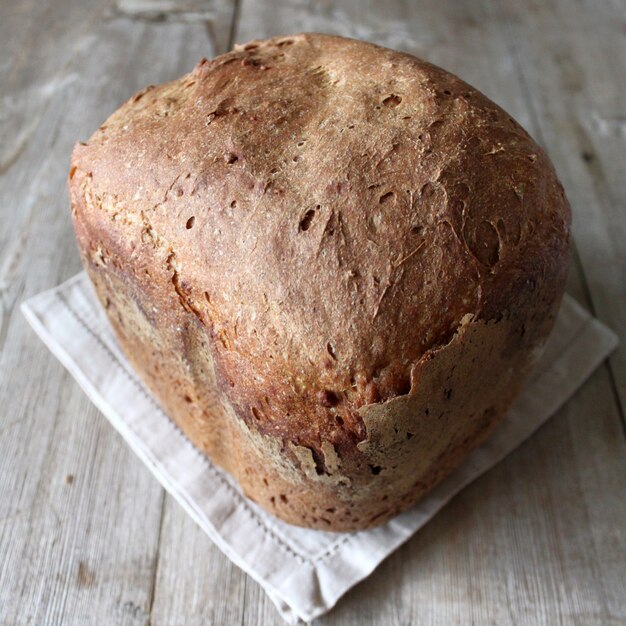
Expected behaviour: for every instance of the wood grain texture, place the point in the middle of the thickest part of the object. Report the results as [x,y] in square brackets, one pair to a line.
[87,535]
[80,517]
[577,97]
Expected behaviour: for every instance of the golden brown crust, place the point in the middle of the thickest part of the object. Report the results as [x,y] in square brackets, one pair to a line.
[315,219]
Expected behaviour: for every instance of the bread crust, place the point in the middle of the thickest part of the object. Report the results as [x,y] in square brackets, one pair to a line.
[334,264]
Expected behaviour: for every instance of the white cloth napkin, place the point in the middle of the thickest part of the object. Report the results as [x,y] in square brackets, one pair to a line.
[303,571]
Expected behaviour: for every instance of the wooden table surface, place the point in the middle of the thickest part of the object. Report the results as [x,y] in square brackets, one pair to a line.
[87,536]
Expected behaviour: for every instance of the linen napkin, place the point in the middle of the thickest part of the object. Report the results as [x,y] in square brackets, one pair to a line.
[303,571]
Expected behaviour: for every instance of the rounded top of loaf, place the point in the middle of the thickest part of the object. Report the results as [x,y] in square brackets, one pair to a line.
[332,210]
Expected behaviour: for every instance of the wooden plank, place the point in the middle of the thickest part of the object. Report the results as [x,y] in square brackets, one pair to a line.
[573,64]
[196,584]
[80,516]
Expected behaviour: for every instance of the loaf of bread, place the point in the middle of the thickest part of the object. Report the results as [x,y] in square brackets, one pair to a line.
[333,263]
